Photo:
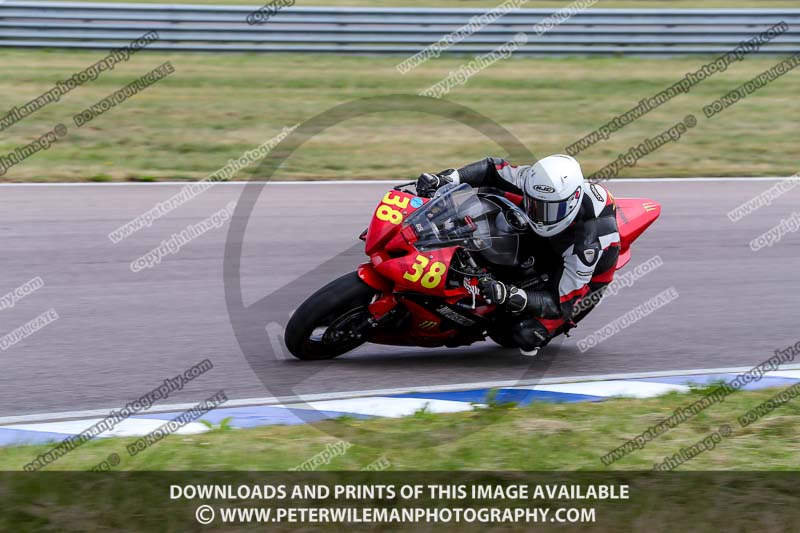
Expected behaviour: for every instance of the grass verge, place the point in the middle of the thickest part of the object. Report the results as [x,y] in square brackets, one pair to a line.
[542,436]
[215,107]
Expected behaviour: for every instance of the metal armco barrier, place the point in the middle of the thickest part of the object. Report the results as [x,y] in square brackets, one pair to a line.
[387,30]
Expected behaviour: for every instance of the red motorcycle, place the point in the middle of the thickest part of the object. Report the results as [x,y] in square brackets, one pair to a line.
[426,256]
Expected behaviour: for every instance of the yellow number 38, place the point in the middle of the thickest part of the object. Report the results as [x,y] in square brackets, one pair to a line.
[389,214]
[432,278]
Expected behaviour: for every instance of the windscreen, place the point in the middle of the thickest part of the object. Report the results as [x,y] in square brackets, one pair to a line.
[456,216]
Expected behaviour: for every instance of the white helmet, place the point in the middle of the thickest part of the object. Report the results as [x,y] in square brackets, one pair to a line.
[553,190]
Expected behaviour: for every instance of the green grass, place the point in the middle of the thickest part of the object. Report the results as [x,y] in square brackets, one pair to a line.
[217,106]
[563,442]
[542,436]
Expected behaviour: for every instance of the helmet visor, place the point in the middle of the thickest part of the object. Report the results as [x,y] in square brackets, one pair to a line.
[544,212]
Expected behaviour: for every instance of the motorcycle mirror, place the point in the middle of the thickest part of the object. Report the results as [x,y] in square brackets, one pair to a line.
[517,219]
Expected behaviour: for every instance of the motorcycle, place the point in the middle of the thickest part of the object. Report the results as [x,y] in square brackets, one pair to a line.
[426,258]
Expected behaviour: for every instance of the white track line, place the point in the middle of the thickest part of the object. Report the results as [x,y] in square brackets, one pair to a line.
[387,406]
[132,427]
[356,182]
[282,401]
[608,389]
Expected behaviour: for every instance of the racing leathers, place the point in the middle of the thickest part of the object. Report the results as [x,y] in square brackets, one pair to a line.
[581,259]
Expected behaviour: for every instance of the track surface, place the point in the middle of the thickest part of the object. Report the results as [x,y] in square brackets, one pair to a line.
[122,333]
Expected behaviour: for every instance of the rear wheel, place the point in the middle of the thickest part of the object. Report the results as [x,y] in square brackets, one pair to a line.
[331,321]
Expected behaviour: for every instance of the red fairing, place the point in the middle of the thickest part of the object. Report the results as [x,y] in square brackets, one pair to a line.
[634,215]
[624,257]
[397,267]
[369,276]
[423,272]
[401,273]
[395,264]
[382,305]
[388,218]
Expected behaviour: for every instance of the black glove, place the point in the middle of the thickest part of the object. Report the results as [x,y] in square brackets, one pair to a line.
[499,293]
[427,184]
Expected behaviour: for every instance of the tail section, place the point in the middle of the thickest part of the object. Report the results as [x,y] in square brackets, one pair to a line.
[634,215]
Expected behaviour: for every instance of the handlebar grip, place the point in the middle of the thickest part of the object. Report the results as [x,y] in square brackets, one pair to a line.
[400,187]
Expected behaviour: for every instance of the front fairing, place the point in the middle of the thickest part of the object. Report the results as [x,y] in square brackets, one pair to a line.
[387,220]
[459,216]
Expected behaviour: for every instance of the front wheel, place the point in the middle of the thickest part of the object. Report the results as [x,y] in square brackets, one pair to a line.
[331,321]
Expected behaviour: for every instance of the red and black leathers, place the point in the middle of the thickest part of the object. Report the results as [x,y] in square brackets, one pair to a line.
[581,260]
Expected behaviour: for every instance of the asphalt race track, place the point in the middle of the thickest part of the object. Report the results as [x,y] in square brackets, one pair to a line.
[121,333]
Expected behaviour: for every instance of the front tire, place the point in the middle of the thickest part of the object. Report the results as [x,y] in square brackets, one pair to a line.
[329,323]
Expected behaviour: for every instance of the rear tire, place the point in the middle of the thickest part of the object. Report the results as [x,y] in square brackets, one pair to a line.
[325,325]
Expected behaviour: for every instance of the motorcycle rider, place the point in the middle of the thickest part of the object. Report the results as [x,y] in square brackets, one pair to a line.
[573,222]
